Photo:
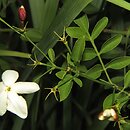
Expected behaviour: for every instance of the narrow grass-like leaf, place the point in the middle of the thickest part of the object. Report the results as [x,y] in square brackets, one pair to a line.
[127,79]
[43,12]
[100,25]
[93,7]
[89,54]
[51,54]
[119,63]
[14,54]
[122,3]
[65,16]
[110,44]
[78,50]
[83,23]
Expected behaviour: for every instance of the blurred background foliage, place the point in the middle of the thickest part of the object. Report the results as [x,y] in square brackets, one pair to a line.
[80,110]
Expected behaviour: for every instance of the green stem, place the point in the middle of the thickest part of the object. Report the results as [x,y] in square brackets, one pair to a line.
[38,48]
[68,48]
[25,36]
[9,26]
[100,59]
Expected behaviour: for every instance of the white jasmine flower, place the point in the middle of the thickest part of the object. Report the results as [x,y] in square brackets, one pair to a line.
[9,90]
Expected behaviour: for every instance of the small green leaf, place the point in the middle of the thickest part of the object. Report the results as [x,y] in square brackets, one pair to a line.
[61,74]
[76,32]
[101,24]
[110,44]
[89,54]
[78,50]
[108,101]
[127,79]
[94,72]
[83,23]
[51,54]
[69,60]
[65,86]
[116,52]
[33,34]
[78,81]
[119,63]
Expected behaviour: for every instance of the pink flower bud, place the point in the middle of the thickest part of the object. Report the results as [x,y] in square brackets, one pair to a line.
[22,13]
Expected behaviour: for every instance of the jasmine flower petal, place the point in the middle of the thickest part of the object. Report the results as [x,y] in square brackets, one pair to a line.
[3,102]
[9,77]
[17,105]
[25,87]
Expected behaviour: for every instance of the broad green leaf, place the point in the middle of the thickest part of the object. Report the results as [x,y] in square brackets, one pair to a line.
[122,3]
[94,72]
[65,86]
[78,50]
[101,24]
[107,103]
[33,34]
[119,63]
[89,54]
[110,44]
[43,13]
[83,23]
[78,81]
[68,12]
[14,54]
[76,32]
[61,74]
[127,79]
[51,54]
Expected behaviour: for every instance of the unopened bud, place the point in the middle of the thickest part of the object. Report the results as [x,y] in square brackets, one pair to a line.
[22,13]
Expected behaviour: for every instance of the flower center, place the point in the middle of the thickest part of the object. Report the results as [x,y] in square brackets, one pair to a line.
[8,88]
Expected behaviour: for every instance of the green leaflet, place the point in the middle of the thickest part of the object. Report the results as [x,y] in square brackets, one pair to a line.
[78,81]
[108,102]
[101,24]
[61,74]
[111,44]
[119,63]
[94,72]
[51,54]
[89,54]
[83,23]
[78,50]
[127,79]
[65,86]
[76,32]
